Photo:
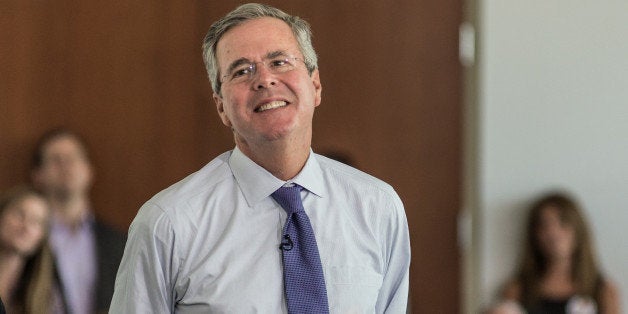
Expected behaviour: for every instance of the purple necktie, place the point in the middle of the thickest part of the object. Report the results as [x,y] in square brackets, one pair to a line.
[303,272]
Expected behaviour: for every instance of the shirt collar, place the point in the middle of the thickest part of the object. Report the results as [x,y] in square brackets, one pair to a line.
[257,183]
[87,220]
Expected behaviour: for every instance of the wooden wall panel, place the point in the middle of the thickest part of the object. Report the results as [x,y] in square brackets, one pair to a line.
[130,78]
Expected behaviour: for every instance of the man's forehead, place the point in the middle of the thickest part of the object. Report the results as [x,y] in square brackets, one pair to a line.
[63,143]
[255,38]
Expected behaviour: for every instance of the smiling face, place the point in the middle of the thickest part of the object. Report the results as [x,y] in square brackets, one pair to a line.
[270,106]
[23,225]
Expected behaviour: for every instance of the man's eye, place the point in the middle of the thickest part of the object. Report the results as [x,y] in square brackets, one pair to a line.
[279,63]
[241,72]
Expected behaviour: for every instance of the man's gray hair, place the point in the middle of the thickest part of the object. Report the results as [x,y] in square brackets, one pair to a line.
[300,29]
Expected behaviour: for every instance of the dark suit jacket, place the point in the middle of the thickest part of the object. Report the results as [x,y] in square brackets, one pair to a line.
[109,247]
[2,311]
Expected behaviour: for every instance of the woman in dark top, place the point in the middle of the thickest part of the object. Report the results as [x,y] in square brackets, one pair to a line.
[558,270]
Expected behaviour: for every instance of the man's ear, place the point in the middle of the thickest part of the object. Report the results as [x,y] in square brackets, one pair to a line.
[221,110]
[318,88]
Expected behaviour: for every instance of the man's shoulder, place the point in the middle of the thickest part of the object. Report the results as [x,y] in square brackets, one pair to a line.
[363,194]
[183,201]
[351,177]
[212,174]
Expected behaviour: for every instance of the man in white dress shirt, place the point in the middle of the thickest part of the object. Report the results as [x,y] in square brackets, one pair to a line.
[209,243]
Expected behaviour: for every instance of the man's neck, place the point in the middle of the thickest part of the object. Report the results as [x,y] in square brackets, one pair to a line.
[283,160]
[70,211]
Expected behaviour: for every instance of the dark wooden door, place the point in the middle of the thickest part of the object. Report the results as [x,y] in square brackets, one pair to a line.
[129,77]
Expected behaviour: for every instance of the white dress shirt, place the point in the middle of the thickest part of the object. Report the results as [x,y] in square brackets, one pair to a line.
[76,261]
[210,243]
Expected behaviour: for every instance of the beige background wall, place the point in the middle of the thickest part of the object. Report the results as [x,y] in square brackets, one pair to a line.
[552,114]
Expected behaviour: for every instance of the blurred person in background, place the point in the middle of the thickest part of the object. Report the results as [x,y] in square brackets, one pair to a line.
[558,271]
[27,280]
[87,252]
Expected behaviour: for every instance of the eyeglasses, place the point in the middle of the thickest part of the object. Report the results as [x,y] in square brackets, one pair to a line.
[244,72]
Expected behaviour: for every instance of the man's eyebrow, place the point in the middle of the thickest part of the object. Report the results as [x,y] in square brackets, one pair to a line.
[275,54]
[236,64]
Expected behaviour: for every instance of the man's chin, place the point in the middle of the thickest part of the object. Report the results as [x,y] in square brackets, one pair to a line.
[275,136]
[265,136]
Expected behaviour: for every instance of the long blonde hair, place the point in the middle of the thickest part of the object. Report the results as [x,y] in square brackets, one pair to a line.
[33,293]
[585,273]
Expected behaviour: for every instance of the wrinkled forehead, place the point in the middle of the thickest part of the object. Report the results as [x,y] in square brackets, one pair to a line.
[255,39]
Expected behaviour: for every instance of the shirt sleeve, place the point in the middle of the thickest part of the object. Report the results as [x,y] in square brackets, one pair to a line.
[144,283]
[393,295]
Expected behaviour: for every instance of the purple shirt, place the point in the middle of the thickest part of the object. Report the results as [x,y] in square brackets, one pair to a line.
[75,255]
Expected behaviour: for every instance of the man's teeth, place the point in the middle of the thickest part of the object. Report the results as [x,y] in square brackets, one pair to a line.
[271,105]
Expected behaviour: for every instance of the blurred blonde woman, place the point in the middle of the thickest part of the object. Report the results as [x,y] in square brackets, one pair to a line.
[558,271]
[27,280]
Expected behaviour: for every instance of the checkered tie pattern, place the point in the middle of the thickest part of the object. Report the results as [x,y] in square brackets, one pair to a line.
[303,273]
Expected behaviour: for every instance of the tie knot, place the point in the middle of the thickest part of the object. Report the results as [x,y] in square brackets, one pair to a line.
[289,197]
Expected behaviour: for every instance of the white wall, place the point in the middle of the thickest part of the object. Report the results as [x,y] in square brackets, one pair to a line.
[553,113]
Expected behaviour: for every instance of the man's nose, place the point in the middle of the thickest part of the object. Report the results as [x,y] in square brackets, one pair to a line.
[263,77]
